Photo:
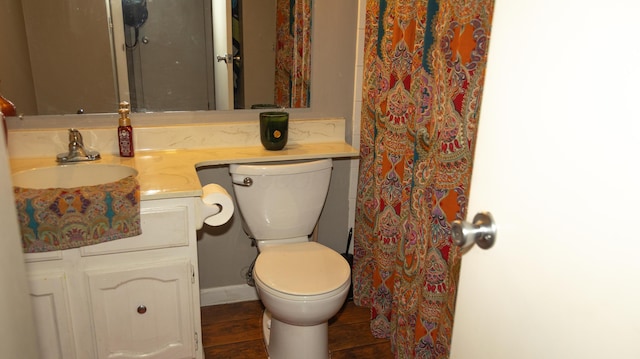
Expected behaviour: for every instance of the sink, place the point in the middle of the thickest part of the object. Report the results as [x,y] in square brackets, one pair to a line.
[69,176]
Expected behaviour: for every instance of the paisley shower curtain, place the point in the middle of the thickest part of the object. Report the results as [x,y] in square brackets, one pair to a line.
[293,53]
[423,75]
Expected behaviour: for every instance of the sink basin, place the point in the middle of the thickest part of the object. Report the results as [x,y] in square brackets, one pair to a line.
[69,176]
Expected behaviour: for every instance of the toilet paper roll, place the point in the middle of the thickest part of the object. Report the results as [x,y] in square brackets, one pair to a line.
[217,205]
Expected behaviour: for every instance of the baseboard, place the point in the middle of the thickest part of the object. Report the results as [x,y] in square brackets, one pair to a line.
[228,294]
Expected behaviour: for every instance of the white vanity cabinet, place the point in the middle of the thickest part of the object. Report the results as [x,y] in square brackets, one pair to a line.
[135,297]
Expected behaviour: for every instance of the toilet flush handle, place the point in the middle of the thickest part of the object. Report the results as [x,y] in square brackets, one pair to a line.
[246,182]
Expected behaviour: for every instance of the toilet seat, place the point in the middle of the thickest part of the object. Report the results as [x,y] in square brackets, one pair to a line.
[302,269]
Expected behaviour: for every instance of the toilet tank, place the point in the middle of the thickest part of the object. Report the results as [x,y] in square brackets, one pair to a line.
[283,199]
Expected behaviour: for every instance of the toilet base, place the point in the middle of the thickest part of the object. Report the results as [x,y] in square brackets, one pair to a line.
[286,341]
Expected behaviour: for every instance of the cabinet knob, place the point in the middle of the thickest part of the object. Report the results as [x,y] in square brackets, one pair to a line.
[142,309]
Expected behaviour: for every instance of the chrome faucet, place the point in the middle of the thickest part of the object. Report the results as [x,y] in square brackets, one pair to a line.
[77,151]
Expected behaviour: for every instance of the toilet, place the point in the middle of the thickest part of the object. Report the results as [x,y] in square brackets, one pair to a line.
[301,283]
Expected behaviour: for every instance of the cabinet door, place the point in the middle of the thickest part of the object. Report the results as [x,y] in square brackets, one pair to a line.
[49,299]
[143,312]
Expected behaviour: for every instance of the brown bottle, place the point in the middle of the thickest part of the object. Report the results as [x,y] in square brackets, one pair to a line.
[125,131]
[8,109]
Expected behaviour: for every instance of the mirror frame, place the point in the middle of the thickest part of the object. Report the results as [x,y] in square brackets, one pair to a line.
[332,81]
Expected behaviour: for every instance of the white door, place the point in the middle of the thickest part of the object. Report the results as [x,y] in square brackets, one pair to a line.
[18,335]
[222,46]
[556,164]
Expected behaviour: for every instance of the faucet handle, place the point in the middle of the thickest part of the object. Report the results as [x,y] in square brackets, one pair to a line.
[75,137]
[77,152]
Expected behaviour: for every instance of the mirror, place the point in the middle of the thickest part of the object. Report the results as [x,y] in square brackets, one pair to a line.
[158,61]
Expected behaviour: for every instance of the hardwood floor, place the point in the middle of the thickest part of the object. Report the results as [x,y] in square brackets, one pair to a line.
[234,331]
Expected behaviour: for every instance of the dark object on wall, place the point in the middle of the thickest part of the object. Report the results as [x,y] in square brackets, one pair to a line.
[8,109]
[135,14]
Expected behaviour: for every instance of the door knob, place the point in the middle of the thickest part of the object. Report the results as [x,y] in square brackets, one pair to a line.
[482,231]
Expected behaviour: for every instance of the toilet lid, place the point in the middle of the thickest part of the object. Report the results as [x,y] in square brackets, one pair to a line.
[305,268]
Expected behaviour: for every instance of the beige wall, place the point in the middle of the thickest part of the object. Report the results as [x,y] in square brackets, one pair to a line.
[46,76]
[258,51]
[15,70]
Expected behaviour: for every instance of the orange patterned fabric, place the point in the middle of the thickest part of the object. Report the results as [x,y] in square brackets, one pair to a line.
[423,77]
[63,218]
[293,53]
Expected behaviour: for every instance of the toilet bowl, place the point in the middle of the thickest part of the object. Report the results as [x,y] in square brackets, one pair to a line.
[301,283]
[300,304]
